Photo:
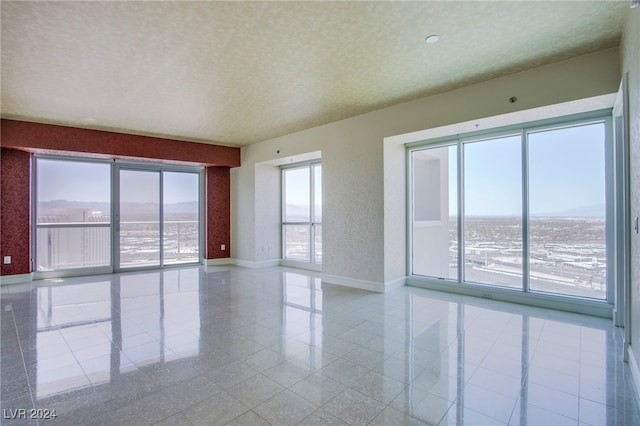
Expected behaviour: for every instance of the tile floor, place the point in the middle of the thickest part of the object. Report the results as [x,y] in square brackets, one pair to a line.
[197,345]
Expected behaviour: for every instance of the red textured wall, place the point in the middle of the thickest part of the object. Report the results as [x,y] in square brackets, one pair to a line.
[20,139]
[218,212]
[36,137]
[15,218]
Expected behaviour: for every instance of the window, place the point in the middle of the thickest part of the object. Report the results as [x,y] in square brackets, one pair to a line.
[159,217]
[493,211]
[181,215]
[73,214]
[521,208]
[302,213]
[103,215]
[567,221]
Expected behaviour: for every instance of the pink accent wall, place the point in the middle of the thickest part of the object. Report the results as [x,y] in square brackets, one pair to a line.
[15,217]
[20,139]
[218,182]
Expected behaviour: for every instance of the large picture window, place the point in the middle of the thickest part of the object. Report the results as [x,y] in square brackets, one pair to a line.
[149,218]
[524,208]
[302,213]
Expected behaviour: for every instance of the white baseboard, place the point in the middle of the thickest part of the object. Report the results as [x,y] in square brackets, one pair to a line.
[264,263]
[220,262]
[301,265]
[377,287]
[394,284]
[243,263]
[635,368]
[16,279]
[256,265]
[354,283]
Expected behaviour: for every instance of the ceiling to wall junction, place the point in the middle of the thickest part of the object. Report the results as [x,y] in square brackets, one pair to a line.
[242,72]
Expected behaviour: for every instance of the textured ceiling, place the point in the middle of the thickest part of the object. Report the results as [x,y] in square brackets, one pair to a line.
[242,72]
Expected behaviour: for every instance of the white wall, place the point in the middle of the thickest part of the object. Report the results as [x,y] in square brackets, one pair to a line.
[630,52]
[243,206]
[364,227]
[268,218]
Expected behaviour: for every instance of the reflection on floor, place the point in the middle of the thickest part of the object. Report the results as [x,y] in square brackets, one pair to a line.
[236,346]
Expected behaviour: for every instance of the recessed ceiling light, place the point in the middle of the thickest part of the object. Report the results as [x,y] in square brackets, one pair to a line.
[433,38]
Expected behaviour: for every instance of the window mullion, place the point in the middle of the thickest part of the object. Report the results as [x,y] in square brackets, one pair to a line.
[525,212]
[161,216]
[312,215]
[460,192]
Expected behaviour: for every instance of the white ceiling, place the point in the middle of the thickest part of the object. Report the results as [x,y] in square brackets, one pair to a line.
[242,72]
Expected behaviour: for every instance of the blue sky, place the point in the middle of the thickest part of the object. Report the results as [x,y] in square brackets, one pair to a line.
[298,184]
[566,171]
[87,182]
[73,181]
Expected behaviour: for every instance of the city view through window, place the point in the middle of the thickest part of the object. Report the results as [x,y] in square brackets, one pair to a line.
[567,250]
[74,223]
[567,255]
[302,213]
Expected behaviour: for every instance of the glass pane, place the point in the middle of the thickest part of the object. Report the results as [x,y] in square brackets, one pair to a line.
[297,242]
[180,221]
[567,236]
[317,211]
[317,193]
[493,212]
[297,192]
[70,248]
[435,212]
[139,218]
[72,192]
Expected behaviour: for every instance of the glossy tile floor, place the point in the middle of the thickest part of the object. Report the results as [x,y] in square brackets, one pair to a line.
[245,347]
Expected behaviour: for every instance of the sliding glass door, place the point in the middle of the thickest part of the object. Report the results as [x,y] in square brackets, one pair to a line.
[493,211]
[139,226]
[181,217]
[158,217]
[95,216]
[529,205]
[567,216]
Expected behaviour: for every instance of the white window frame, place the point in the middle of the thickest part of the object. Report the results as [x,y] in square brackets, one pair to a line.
[557,301]
[312,223]
[115,166]
[161,169]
